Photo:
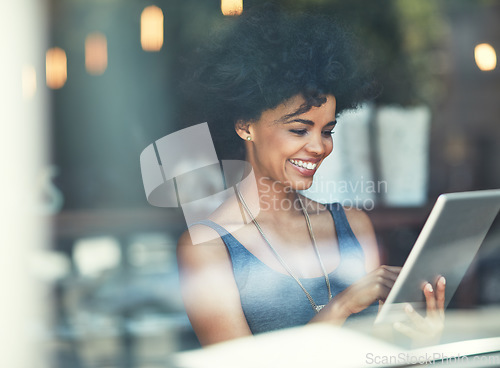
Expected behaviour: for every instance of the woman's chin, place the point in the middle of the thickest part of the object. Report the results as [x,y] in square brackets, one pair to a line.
[302,185]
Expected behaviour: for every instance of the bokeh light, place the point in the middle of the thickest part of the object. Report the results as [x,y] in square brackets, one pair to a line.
[152,28]
[28,81]
[96,53]
[56,65]
[486,57]
[231,7]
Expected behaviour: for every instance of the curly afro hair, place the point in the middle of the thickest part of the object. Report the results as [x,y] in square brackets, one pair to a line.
[264,58]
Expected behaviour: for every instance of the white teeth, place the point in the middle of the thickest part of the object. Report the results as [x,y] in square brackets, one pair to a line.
[305,165]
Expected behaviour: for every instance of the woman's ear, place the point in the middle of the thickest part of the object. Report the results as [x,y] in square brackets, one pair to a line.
[242,128]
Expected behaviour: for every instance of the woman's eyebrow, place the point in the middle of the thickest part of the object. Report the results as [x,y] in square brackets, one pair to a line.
[309,122]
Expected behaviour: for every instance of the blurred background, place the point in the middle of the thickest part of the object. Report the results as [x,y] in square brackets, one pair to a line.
[88,84]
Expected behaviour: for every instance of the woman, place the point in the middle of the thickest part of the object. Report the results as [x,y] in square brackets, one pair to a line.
[271,88]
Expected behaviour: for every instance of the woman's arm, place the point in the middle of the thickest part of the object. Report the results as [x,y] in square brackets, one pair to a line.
[209,290]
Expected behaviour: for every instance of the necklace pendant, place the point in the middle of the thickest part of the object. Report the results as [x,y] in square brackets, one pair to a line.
[319,307]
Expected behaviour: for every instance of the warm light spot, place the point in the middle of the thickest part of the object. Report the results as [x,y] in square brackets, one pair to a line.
[486,57]
[28,81]
[56,67]
[231,7]
[96,53]
[152,28]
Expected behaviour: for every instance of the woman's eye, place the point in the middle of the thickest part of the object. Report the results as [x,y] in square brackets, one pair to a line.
[328,133]
[299,131]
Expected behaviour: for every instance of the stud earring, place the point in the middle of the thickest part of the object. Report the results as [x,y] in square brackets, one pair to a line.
[249,138]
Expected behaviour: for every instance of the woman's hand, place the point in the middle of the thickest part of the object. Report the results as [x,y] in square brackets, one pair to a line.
[374,286]
[426,330]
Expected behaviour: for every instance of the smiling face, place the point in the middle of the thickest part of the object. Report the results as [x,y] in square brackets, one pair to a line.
[287,147]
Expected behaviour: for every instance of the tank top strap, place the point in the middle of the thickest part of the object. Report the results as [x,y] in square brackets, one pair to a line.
[239,254]
[348,243]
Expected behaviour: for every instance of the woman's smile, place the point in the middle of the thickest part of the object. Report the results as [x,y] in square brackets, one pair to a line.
[304,166]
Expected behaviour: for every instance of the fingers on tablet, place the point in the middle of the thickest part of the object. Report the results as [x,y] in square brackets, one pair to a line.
[430,299]
[440,294]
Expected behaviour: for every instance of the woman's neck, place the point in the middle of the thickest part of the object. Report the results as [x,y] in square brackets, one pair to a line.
[269,199]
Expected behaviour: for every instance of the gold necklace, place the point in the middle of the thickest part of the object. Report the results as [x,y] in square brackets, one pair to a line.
[315,306]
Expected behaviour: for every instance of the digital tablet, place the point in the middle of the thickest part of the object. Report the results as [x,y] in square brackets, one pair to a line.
[446,246]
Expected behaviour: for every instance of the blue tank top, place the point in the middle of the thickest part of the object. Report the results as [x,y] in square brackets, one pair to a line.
[272,300]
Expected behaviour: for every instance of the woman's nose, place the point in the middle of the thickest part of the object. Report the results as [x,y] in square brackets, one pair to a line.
[316,145]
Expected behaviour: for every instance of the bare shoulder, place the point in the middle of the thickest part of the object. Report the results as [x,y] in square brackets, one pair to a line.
[362,228]
[200,245]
